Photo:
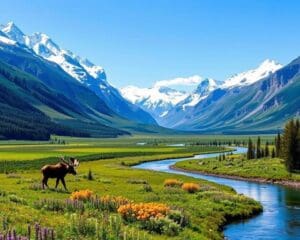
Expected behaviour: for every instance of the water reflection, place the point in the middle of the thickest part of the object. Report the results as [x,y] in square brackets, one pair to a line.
[281,216]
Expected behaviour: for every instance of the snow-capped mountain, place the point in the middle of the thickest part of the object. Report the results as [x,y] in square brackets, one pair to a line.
[81,69]
[266,68]
[202,91]
[157,100]
[211,91]
[166,104]
[5,39]
[44,46]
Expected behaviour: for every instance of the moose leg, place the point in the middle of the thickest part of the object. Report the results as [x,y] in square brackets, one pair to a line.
[57,181]
[44,182]
[64,183]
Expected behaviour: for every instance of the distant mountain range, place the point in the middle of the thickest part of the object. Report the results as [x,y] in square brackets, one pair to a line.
[261,107]
[48,90]
[171,108]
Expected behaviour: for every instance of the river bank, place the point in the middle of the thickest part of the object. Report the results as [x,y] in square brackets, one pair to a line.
[281,204]
[263,170]
[287,183]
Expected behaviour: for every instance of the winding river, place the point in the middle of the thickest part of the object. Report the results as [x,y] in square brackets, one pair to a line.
[280,218]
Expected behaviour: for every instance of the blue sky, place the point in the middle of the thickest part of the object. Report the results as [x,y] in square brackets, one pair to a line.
[143,41]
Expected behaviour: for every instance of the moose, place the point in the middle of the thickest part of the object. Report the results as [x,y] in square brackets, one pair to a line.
[59,171]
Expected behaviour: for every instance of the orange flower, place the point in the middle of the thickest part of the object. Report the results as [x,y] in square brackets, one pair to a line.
[172,183]
[82,195]
[190,187]
[143,211]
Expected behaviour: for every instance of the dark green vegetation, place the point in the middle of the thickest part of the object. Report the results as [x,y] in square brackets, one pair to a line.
[286,146]
[23,202]
[32,110]
[257,151]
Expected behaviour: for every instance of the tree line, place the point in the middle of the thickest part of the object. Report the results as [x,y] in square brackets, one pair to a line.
[286,146]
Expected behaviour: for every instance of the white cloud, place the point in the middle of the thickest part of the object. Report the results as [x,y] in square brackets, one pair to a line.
[188,81]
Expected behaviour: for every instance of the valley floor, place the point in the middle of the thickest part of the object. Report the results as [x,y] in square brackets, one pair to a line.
[105,170]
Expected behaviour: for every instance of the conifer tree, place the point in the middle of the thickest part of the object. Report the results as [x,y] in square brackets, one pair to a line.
[290,145]
[278,145]
[297,150]
[273,153]
[250,152]
[258,149]
[267,151]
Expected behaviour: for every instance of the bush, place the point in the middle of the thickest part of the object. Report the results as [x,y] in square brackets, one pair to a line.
[178,217]
[190,187]
[143,211]
[147,188]
[172,183]
[82,195]
[110,203]
[16,199]
[162,225]
[137,181]
[106,203]
[90,176]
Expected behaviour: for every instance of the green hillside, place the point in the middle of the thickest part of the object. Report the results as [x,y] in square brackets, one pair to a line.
[31,110]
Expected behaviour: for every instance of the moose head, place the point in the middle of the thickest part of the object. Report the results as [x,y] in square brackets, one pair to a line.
[59,171]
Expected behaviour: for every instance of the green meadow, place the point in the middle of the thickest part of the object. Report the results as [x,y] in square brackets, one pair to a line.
[238,165]
[105,170]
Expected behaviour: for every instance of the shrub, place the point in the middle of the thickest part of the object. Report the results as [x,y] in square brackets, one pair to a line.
[80,225]
[110,203]
[105,180]
[143,211]
[56,205]
[106,203]
[162,225]
[147,188]
[137,181]
[3,193]
[172,183]
[90,176]
[190,187]
[178,217]
[82,195]
[16,199]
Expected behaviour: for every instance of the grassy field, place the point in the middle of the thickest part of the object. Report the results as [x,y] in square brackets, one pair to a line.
[238,165]
[23,202]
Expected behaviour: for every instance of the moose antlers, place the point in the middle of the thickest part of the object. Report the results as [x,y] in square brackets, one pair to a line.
[71,162]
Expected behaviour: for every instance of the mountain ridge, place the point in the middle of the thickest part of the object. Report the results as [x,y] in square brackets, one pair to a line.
[81,69]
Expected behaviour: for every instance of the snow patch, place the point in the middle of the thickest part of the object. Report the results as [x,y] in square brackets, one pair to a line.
[266,68]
